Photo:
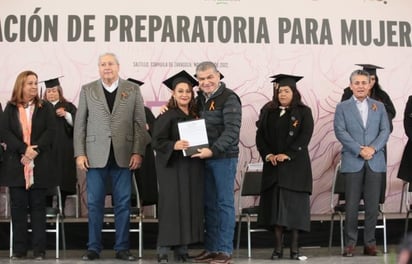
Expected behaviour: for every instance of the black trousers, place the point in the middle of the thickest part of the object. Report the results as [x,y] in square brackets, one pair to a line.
[30,202]
[369,184]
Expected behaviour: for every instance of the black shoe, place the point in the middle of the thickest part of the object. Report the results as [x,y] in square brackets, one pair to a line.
[162,258]
[40,256]
[277,254]
[90,255]
[17,256]
[125,255]
[295,255]
[182,257]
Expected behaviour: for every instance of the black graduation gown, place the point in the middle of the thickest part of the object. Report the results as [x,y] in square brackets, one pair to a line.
[180,205]
[64,164]
[405,169]
[286,187]
[1,140]
[146,177]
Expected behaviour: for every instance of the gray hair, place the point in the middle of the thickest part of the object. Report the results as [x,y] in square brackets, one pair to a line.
[206,65]
[359,72]
[108,54]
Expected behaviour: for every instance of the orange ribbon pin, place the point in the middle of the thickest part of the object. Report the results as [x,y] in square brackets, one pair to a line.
[212,106]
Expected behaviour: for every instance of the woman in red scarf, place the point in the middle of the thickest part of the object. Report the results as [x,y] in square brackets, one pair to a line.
[27,129]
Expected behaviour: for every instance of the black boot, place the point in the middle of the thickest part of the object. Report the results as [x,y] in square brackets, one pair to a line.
[180,253]
[162,258]
[277,254]
[278,251]
[294,247]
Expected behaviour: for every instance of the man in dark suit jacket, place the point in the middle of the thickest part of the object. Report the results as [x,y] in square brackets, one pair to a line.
[109,141]
[361,125]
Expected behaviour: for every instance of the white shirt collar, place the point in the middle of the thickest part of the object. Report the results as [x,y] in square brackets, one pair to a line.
[359,101]
[112,87]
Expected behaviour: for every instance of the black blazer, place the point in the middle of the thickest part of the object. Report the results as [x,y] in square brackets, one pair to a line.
[43,133]
[405,169]
[295,174]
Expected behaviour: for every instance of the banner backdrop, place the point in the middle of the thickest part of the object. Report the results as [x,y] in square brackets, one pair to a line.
[248,40]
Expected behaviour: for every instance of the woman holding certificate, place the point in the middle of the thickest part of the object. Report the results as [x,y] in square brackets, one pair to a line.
[180,177]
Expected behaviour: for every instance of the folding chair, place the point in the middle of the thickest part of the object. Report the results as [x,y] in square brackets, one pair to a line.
[135,214]
[338,208]
[76,198]
[250,186]
[55,216]
[4,194]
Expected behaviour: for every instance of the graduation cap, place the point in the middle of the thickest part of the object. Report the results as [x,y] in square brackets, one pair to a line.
[221,75]
[370,68]
[135,81]
[286,79]
[180,77]
[52,82]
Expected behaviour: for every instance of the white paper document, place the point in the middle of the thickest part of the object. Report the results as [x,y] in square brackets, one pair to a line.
[194,132]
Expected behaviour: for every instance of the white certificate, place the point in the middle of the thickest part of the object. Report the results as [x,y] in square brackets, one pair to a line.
[194,132]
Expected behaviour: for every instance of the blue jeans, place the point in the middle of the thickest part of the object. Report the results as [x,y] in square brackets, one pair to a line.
[220,205]
[96,192]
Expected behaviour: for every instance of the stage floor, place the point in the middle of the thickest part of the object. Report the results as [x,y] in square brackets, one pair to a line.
[313,244]
[314,255]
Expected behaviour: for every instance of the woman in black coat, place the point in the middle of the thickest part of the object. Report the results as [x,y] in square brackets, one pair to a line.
[405,169]
[27,129]
[2,145]
[146,177]
[284,129]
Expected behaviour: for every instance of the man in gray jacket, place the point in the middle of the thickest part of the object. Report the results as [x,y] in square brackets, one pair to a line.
[109,140]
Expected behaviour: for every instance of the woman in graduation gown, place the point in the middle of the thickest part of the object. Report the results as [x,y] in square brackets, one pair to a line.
[405,169]
[284,129]
[180,177]
[146,175]
[64,166]
[2,145]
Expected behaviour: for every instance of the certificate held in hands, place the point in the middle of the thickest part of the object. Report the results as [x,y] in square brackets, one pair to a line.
[194,132]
